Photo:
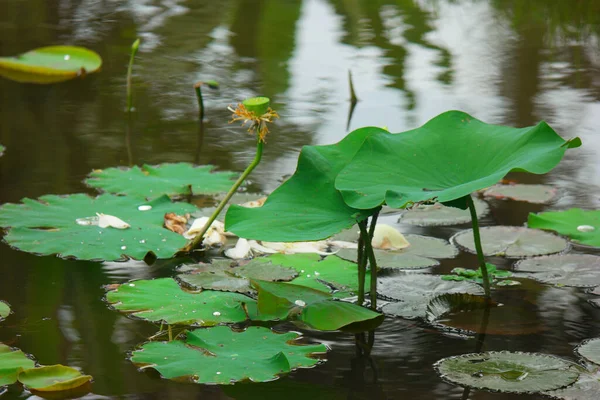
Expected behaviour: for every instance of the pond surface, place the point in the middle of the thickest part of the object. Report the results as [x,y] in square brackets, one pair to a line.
[506,62]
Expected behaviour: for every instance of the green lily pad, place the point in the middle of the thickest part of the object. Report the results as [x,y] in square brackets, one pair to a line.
[537,194]
[420,253]
[53,378]
[438,214]
[11,362]
[154,181]
[581,226]
[50,64]
[411,293]
[466,154]
[163,300]
[590,350]
[50,225]
[512,241]
[508,372]
[576,270]
[587,387]
[4,310]
[307,206]
[221,356]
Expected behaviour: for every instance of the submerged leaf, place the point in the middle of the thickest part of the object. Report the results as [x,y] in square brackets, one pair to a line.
[511,241]
[151,182]
[438,214]
[465,153]
[576,270]
[49,225]
[11,362]
[221,356]
[581,226]
[4,310]
[52,378]
[508,372]
[537,194]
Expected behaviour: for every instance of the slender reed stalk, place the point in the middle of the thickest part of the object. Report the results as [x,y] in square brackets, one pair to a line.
[372,263]
[198,88]
[134,48]
[353,98]
[478,248]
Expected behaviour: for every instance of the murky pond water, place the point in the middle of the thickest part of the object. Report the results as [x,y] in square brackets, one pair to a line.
[507,62]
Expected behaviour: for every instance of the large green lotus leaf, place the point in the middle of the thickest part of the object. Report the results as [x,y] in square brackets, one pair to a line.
[281,299]
[49,226]
[411,293]
[590,350]
[439,215]
[512,241]
[306,206]
[329,274]
[221,356]
[581,226]
[333,315]
[154,181]
[508,372]
[449,157]
[163,299]
[537,194]
[420,253]
[11,362]
[4,310]
[587,387]
[576,270]
[52,378]
[50,64]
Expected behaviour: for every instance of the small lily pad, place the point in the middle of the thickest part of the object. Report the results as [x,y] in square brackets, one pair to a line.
[537,194]
[420,253]
[411,293]
[221,356]
[475,275]
[55,225]
[53,378]
[509,372]
[11,362]
[575,270]
[587,387]
[151,182]
[4,310]
[581,226]
[50,64]
[590,350]
[511,241]
[163,300]
[438,214]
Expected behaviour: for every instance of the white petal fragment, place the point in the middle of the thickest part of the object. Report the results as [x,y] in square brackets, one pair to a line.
[242,250]
[215,235]
[387,237]
[319,247]
[105,221]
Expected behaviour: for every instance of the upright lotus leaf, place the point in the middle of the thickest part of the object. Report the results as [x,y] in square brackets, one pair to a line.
[11,362]
[162,300]
[63,225]
[440,215]
[589,350]
[449,157]
[582,226]
[307,206]
[508,372]
[154,181]
[50,64]
[53,378]
[536,194]
[221,356]
[575,270]
[4,310]
[512,241]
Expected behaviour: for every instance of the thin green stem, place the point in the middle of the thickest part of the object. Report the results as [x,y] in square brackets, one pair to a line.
[170,334]
[198,88]
[372,262]
[134,49]
[197,241]
[362,263]
[478,248]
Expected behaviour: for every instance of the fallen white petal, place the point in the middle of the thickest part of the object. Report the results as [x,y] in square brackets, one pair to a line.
[241,250]
[342,244]
[105,221]
[318,247]
[388,238]
[199,223]
[258,248]
[213,238]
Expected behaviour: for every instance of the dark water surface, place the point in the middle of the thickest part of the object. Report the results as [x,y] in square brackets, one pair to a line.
[504,61]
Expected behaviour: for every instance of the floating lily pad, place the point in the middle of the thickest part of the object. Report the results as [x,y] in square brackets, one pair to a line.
[508,372]
[576,270]
[50,64]
[466,154]
[511,241]
[306,206]
[49,226]
[537,194]
[590,350]
[154,181]
[220,356]
[4,310]
[163,299]
[216,281]
[420,253]
[410,293]
[587,387]
[581,226]
[52,378]
[11,362]
[438,214]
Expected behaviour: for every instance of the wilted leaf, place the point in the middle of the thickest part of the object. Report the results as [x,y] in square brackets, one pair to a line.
[438,214]
[537,194]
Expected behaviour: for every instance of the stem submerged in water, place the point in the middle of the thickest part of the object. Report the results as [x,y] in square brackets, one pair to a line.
[134,48]
[478,248]
[370,254]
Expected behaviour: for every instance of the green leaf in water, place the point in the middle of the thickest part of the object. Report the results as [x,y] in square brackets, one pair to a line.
[11,362]
[589,350]
[575,270]
[53,378]
[4,310]
[438,214]
[537,194]
[582,226]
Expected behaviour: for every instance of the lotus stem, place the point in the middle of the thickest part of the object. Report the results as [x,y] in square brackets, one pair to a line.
[371,256]
[198,88]
[170,333]
[478,248]
[353,98]
[134,48]
[197,241]
[361,260]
